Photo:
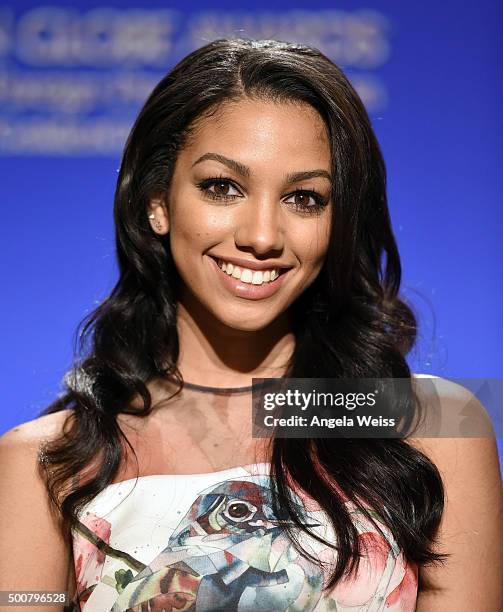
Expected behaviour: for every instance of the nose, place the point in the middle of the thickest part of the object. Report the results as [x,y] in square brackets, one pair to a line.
[259,227]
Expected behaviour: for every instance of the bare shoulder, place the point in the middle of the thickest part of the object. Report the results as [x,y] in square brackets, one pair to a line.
[30,528]
[446,389]
[19,457]
[471,529]
[465,452]
[465,442]
[32,433]
[451,410]
[19,451]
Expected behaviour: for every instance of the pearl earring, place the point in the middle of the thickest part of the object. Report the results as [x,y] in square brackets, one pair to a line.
[152,216]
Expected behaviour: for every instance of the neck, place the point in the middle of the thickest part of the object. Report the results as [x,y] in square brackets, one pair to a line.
[215,355]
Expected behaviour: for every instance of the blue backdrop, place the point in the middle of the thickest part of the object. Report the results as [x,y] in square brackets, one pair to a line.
[72,77]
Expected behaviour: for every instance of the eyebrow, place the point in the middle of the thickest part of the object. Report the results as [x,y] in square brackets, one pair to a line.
[292,177]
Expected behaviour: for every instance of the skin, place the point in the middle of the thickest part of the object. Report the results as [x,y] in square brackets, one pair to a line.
[227,339]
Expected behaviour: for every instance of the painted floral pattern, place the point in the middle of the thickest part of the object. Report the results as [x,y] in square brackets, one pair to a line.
[211,542]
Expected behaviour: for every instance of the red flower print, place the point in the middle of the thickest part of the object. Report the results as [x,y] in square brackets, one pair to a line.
[359,589]
[405,593]
[89,559]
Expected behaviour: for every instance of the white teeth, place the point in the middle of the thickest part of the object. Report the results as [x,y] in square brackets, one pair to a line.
[246,275]
[258,278]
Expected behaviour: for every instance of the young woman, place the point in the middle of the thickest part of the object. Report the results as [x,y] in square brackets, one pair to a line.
[252,225]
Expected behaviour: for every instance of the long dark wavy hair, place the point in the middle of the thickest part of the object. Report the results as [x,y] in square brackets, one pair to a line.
[350,323]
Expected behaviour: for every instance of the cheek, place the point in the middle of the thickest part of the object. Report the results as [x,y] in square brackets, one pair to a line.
[196,222]
[312,246]
[188,232]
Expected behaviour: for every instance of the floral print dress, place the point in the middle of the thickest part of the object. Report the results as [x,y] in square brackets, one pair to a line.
[208,542]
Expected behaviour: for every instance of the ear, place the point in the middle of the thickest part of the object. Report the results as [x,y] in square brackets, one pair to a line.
[158,216]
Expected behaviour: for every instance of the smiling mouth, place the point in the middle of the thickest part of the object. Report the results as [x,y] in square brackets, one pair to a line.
[249,276]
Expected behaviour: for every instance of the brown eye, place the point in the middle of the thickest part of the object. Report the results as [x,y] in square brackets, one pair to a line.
[239,510]
[307,200]
[302,199]
[221,188]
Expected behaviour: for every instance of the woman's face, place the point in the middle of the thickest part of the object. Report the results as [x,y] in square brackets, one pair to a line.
[249,200]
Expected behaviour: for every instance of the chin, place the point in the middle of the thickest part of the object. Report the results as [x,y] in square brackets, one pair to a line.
[245,326]
[247,320]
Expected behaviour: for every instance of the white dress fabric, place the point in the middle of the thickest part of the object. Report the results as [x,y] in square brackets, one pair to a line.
[208,542]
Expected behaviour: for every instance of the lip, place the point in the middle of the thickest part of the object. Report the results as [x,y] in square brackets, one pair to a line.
[247,290]
[253,265]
